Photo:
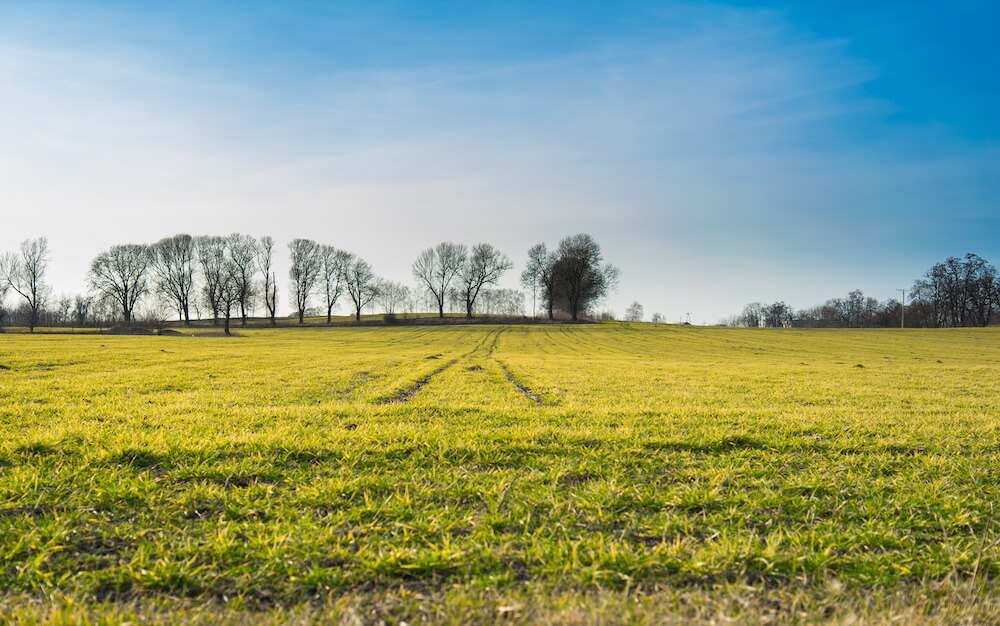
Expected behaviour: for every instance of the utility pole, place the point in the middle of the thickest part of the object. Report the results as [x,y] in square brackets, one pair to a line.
[688,320]
[902,309]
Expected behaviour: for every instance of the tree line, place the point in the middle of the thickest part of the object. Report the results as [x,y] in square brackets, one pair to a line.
[953,293]
[229,277]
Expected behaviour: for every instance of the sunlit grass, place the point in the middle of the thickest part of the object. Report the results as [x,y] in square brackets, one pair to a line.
[295,469]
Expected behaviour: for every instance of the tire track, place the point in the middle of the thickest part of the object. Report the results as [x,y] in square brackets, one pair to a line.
[521,387]
[496,338]
[406,394]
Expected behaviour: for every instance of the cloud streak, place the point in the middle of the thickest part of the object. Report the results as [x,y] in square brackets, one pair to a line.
[710,155]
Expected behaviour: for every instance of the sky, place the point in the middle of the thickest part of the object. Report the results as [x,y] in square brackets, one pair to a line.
[720,152]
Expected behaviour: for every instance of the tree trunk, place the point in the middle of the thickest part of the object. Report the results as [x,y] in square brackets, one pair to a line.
[441,308]
[227,326]
[329,315]
[302,315]
[357,315]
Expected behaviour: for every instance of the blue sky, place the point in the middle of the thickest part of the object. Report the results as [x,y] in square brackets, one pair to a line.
[721,152]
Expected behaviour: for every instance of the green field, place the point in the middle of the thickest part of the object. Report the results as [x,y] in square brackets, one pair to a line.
[552,473]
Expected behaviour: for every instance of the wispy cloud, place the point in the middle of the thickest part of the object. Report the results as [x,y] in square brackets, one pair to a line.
[728,144]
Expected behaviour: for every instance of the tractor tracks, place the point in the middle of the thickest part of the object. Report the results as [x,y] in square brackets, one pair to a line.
[483,351]
[521,387]
[406,393]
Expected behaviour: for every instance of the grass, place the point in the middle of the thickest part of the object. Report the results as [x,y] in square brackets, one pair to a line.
[563,474]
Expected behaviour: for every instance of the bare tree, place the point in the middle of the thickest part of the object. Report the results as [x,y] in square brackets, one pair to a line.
[538,256]
[24,273]
[104,310]
[540,271]
[501,302]
[657,318]
[174,260]
[265,263]
[304,272]
[61,312]
[241,258]
[581,276]
[81,309]
[393,296]
[548,283]
[121,275]
[455,300]
[634,312]
[212,259]
[777,315]
[436,267]
[362,284]
[483,267]
[333,274]
[4,287]
[752,315]
[958,292]
[231,289]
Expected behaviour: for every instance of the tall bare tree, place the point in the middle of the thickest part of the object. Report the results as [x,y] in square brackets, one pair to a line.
[437,267]
[24,273]
[174,260]
[362,284]
[212,259]
[265,263]
[541,270]
[581,276]
[304,272]
[121,274]
[231,289]
[548,285]
[333,276]
[484,266]
[242,259]
[531,277]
